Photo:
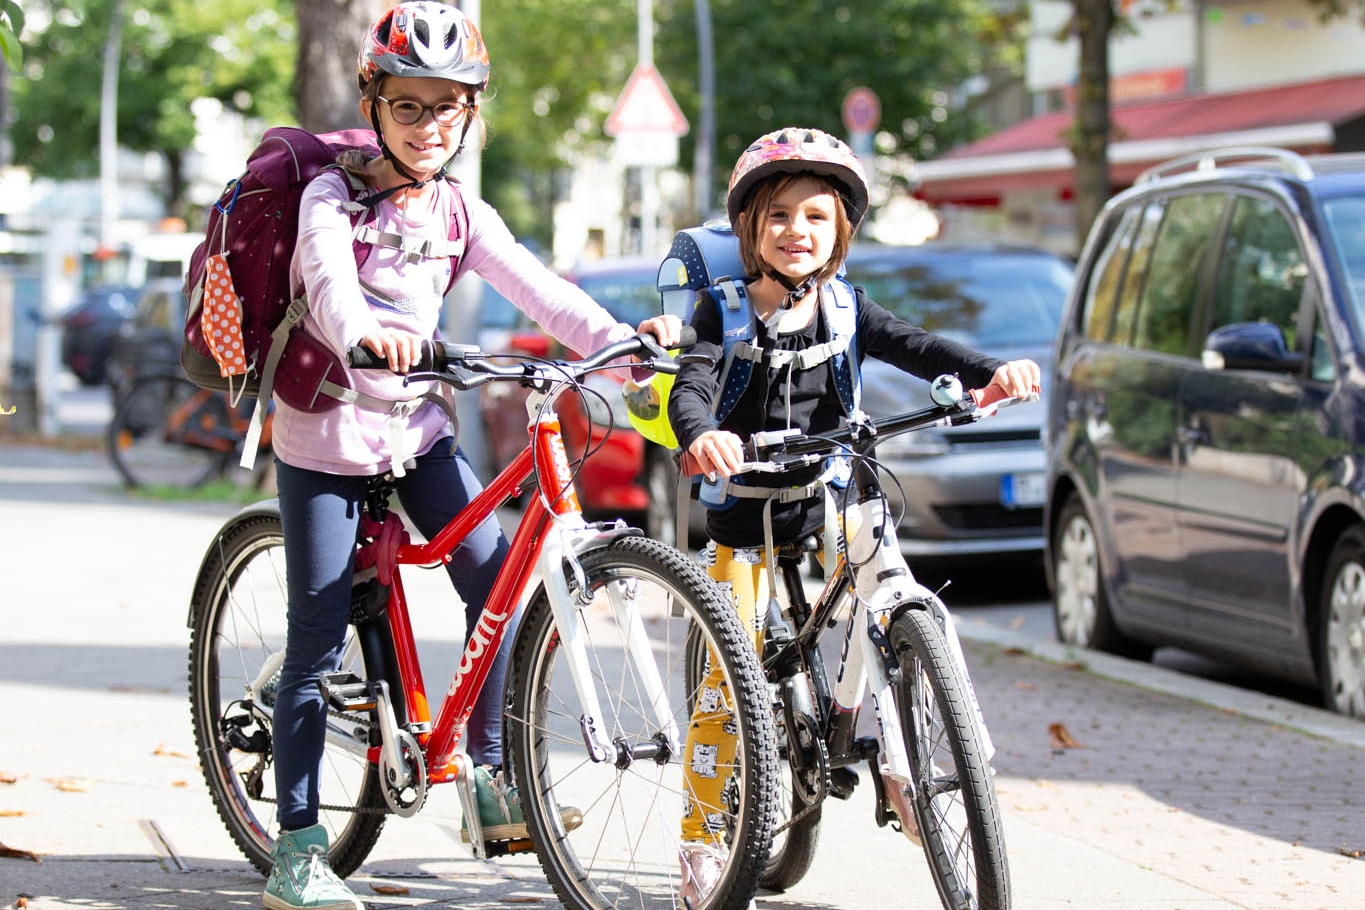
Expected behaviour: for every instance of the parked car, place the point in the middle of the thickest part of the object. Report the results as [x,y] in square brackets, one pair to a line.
[1206,482]
[88,330]
[976,489]
[149,342]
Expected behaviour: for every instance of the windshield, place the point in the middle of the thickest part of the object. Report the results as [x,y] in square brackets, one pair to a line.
[629,297]
[985,300]
[1346,227]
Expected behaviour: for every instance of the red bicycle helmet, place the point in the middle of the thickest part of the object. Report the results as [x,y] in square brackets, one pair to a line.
[798,150]
[424,39]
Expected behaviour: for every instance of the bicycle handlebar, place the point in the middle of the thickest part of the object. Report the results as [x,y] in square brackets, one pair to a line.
[466,366]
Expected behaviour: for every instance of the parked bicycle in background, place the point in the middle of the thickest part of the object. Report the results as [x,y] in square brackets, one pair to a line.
[168,432]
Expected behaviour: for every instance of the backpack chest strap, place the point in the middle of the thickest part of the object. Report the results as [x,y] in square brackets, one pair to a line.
[412,248]
[804,360]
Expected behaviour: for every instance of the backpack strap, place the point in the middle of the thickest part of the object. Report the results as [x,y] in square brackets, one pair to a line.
[840,303]
[737,331]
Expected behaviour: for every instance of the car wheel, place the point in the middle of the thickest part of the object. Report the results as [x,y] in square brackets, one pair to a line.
[661,486]
[1343,626]
[1080,606]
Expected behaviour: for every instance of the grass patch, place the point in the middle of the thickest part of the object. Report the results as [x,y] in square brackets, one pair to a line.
[220,490]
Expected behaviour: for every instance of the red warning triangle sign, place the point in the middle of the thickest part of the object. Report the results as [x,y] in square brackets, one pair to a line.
[646,105]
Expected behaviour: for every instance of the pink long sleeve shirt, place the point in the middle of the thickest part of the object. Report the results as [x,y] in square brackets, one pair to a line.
[353,440]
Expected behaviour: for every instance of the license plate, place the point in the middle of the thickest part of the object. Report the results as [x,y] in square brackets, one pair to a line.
[1022,491]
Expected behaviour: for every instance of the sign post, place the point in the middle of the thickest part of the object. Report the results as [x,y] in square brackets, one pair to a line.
[862,111]
[646,123]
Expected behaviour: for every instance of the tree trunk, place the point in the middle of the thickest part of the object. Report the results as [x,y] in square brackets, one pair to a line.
[330,32]
[1090,133]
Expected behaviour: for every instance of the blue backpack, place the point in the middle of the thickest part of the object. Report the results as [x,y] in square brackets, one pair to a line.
[706,260]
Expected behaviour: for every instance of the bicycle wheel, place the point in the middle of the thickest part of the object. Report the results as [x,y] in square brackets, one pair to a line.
[167,431]
[626,852]
[954,795]
[800,805]
[237,620]
[796,830]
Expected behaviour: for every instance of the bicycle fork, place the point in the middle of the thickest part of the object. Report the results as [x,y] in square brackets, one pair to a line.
[562,545]
[870,660]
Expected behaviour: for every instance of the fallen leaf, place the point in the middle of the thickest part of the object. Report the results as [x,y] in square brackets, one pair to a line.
[7,778]
[16,853]
[1013,651]
[1062,738]
[1026,686]
[1352,853]
[387,889]
[170,753]
[21,902]
[179,783]
[72,784]
[11,813]
[1073,665]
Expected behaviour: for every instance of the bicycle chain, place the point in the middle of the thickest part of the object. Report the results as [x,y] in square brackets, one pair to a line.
[354,719]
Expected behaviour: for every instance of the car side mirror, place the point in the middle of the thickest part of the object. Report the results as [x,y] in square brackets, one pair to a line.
[1250,346]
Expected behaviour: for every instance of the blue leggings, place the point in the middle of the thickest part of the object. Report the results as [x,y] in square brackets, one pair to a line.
[321,513]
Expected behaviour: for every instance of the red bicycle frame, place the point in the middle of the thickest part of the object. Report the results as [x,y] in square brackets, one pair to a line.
[543,459]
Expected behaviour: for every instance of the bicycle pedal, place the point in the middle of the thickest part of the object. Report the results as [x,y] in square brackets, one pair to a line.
[508,847]
[348,692]
[841,782]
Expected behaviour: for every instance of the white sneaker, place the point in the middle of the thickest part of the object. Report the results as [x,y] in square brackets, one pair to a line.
[702,864]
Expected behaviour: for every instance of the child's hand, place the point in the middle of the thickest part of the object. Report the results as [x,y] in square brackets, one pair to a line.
[717,452]
[665,328]
[1018,378]
[401,349]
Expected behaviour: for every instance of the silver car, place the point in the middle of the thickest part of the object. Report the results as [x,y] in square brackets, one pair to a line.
[977,488]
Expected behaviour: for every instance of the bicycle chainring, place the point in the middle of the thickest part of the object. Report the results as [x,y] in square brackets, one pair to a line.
[405,789]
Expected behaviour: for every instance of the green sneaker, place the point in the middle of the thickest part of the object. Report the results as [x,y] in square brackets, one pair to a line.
[500,812]
[301,876]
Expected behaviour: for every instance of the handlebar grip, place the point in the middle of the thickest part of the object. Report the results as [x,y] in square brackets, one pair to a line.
[991,394]
[362,358]
[686,338]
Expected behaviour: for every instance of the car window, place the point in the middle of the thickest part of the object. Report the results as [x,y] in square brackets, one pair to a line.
[1098,316]
[628,298]
[1168,295]
[1346,232]
[986,301]
[1130,293]
[1261,273]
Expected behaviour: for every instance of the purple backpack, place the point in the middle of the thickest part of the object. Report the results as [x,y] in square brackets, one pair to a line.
[256,221]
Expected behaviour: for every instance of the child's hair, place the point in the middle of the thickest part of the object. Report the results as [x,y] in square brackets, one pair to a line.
[353,161]
[755,214]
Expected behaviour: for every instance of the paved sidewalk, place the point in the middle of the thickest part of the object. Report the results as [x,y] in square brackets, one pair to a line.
[1177,794]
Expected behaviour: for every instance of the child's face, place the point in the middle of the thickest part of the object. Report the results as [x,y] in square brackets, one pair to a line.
[428,143]
[798,231]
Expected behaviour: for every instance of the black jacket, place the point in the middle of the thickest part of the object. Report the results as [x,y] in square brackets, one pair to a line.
[808,402]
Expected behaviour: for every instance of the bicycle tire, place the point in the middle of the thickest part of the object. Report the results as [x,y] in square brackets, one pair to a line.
[237,621]
[958,816]
[147,442]
[794,842]
[793,849]
[625,853]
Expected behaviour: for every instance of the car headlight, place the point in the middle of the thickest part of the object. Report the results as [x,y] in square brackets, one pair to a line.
[922,444]
[606,408]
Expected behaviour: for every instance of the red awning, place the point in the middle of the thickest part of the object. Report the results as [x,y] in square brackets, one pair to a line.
[1033,155]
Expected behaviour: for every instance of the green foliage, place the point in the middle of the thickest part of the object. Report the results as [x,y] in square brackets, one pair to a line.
[11,25]
[557,66]
[171,52]
[793,63]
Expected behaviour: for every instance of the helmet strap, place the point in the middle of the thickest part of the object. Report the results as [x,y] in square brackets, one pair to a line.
[794,291]
[413,183]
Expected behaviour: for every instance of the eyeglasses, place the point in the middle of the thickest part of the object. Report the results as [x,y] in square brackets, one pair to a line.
[448,113]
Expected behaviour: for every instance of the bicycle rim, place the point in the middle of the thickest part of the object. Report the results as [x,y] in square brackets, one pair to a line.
[626,852]
[236,646]
[954,801]
[168,432]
